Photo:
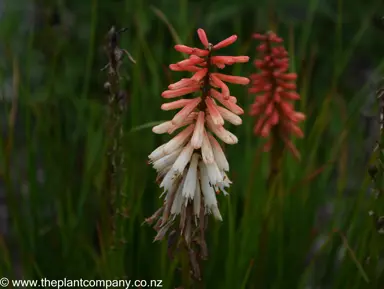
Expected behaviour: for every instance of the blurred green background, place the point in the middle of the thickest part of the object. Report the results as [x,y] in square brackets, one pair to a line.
[55,211]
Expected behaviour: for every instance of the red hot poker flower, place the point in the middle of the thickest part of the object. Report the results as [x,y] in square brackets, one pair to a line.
[192,165]
[276,90]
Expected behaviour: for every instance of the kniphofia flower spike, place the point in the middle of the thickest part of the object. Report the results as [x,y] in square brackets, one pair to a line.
[276,90]
[192,166]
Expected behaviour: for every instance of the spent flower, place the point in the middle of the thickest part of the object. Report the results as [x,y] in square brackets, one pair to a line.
[192,166]
[276,90]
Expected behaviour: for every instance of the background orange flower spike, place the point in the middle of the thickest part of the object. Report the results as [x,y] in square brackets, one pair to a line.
[275,89]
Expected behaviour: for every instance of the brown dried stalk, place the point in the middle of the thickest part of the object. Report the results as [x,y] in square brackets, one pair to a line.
[116,110]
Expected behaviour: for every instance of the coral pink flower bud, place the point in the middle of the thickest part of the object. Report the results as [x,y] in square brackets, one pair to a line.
[286,86]
[198,76]
[226,42]
[181,83]
[214,112]
[180,91]
[189,62]
[298,116]
[228,104]
[190,50]
[262,48]
[291,95]
[218,83]
[203,37]
[274,119]
[221,132]
[286,76]
[229,60]
[260,37]
[176,104]
[182,114]
[190,68]
[229,116]
[232,78]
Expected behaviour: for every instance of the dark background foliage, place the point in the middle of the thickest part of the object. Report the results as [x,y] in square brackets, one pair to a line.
[54,210]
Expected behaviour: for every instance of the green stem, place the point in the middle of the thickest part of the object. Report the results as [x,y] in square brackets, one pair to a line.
[206,87]
[272,189]
[185,266]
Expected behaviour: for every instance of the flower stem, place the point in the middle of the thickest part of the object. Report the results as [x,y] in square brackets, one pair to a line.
[275,160]
[272,189]
[114,128]
[206,87]
[185,267]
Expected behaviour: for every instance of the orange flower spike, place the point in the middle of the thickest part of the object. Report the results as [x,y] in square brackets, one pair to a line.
[276,89]
[192,166]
